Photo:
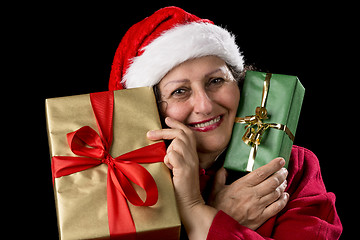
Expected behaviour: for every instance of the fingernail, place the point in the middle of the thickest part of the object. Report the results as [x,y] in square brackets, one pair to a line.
[150,133]
[286,195]
[282,161]
[285,184]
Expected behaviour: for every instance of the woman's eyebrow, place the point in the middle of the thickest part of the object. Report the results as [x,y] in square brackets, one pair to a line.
[177,81]
[212,72]
[187,80]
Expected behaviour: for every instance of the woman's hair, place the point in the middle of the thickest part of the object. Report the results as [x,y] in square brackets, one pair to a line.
[240,75]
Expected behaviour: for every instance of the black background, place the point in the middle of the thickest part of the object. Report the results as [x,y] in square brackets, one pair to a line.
[61,50]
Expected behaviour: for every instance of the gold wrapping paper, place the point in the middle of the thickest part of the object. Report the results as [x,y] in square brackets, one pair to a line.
[81,198]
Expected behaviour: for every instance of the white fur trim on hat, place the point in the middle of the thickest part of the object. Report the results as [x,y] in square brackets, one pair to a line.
[177,45]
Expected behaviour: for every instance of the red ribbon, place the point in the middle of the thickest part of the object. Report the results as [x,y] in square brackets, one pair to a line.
[93,150]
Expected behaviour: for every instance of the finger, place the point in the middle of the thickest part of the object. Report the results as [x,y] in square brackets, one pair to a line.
[188,158]
[220,177]
[167,162]
[188,133]
[177,145]
[174,159]
[272,183]
[176,124]
[276,206]
[219,181]
[275,195]
[167,134]
[181,167]
[259,175]
[218,185]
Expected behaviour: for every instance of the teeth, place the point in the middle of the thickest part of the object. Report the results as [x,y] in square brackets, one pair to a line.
[205,124]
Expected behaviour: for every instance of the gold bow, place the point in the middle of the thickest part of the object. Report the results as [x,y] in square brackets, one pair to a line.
[256,127]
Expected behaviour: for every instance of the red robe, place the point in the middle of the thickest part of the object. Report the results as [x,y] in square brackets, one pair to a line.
[309,214]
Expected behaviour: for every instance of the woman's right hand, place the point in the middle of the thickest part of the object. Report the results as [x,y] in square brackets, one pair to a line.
[254,198]
[182,158]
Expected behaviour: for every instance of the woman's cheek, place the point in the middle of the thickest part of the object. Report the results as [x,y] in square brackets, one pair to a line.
[179,113]
[233,98]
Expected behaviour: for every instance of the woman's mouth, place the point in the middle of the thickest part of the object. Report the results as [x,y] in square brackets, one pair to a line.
[206,125]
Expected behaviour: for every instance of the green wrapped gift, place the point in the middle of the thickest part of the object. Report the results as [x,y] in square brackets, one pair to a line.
[265,122]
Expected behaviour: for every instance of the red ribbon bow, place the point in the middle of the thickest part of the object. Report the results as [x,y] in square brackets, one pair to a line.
[93,150]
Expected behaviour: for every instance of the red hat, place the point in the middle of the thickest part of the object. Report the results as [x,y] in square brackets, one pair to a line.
[152,47]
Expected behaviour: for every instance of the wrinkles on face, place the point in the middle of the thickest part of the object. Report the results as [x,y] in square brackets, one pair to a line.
[202,94]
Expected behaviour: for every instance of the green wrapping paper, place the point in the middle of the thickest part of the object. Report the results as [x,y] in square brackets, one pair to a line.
[266,122]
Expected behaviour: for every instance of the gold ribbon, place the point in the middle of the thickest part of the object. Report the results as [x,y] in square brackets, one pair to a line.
[256,127]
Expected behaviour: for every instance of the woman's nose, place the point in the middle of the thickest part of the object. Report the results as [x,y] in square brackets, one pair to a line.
[202,103]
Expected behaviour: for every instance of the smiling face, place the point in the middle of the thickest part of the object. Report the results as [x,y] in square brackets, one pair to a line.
[202,94]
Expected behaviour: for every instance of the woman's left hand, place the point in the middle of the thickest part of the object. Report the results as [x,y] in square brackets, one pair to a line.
[253,199]
[182,158]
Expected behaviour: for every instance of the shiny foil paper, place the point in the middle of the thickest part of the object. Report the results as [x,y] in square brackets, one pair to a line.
[283,101]
[81,198]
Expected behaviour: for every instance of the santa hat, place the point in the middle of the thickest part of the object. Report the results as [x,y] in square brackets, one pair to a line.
[152,47]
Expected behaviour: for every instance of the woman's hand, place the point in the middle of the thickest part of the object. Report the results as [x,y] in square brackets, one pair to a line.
[182,158]
[254,198]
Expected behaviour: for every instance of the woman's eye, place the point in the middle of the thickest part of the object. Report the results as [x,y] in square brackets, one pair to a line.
[216,81]
[179,92]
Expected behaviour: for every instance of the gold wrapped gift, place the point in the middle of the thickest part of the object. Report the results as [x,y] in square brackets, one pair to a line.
[81,197]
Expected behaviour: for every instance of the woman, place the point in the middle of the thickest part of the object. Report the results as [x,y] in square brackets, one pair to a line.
[196,69]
